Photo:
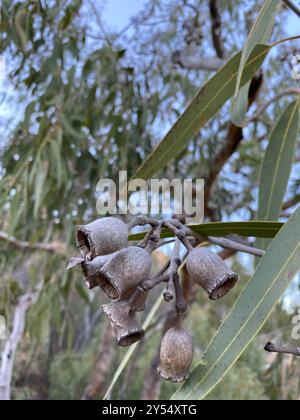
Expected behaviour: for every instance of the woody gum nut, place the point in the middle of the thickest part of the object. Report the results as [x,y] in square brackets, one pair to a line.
[90,271]
[176,355]
[101,237]
[210,271]
[125,323]
[124,271]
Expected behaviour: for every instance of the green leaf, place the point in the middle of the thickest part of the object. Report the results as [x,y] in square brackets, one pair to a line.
[259,34]
[56,157]
[250,312]
[256,229]
[277,165]
[70,130]
[205,105]
[41,175]
[20,23]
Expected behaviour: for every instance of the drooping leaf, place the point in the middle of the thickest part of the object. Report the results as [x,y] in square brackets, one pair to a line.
[204,106]
[250,312]
[41,175]
[256,229]
[259,34]
[277,165]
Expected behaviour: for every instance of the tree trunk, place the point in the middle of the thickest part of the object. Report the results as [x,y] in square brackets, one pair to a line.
[10,348]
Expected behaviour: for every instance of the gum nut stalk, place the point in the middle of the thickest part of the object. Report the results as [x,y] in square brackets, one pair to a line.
[210,271]
[124,322]
[140,303]
[176,355]
[101,237]
[125,270]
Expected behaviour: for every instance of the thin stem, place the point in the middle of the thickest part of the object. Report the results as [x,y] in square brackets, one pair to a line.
[272,348]
[260,112]
[236,246]
[181,306]
[291,38]
[53,247]
[143,221]
[180,232]
[292,6]
[173,270]
[229,244]
[154,239]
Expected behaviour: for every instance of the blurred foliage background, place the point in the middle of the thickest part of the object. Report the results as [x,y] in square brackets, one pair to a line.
[81,102]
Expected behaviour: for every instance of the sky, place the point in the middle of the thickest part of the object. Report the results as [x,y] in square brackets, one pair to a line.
[117,13]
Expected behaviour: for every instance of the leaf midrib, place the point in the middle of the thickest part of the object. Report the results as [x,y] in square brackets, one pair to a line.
[276,173]
[248,319]
[204,109]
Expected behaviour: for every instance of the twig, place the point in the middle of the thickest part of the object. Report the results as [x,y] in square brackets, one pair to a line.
[272,348]
[224,242]
[287,92]
[291,203]
[53,247]
[233,139]
[236,246]
[194,61]
[172,271]
[292,6]
[216,28]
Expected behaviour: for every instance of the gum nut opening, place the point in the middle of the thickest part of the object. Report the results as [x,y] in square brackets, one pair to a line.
[176,355]
[211,273]
[92,277]
[125,323]
[124,271]
[101,237]
[224,286]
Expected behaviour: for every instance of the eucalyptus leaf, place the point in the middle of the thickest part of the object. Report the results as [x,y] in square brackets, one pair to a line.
[277,165]
[207,103]
[259,34]
[249,313]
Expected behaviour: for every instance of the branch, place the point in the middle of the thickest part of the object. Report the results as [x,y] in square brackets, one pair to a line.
[292,6]
[229,147]
[291,203]
[9,352]
[272,348]
[236,246]
[287,92]
[216,28]
[53,247]
[191,60]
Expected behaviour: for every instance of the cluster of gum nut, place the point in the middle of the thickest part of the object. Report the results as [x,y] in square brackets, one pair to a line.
[124,274]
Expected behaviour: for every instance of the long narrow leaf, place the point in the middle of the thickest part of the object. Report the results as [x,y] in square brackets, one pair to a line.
[205,105]
[256,229]
[259,34]
[250,312]
[277,165]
